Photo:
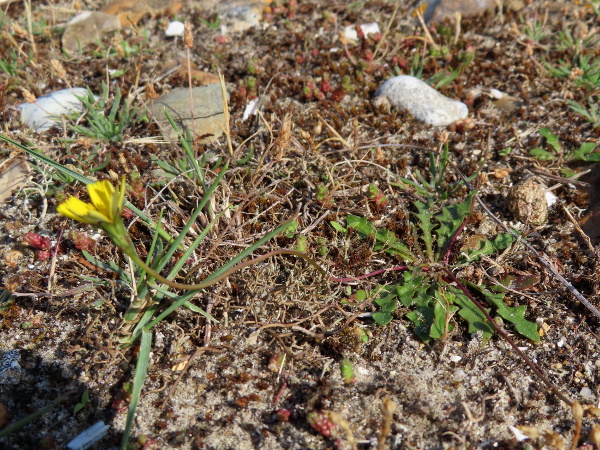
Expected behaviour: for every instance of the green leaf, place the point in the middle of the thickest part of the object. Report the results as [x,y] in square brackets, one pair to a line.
[442,308]
[387,304]
[141,368]
[451,219]
[542,155]
[503,241]
[472,314]
[551,139]
[338,227]
[425,217]
[385,240]
[514,315]
[586,153]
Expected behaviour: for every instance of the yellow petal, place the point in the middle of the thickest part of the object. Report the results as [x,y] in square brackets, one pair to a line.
[81,211]
[101,194]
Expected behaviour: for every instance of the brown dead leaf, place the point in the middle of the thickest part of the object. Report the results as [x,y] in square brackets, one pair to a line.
[13,173]
[132,11]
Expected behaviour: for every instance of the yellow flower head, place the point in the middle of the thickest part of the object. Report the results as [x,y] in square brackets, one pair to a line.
[105,209]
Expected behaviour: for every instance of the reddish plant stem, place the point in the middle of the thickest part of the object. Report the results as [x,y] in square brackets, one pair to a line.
[455,236]
[533,366]
[371,274]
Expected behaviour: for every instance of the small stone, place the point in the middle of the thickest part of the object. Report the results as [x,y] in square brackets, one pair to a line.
[209,117]
[586,393]
[421,100]
[455,358]
[551,199]
[46,111]
[239,15]
[367,28]
[175,28]
[438,10]
[527,201]
[459,375]
[87,27]
[250,109]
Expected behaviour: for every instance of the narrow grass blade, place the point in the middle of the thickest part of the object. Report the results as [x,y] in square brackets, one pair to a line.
[220,271]
[141,369]
[33,416]
[109,267]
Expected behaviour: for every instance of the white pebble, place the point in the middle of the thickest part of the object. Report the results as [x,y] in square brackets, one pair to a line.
[175,28]
[550,198]
[46,111]
[459,375]
[519,435]
[250,109]
[586,393]
[421,100]
[495,93]
[455,358]
[367,29]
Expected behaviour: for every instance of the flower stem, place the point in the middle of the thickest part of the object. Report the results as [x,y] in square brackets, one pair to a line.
[205,284]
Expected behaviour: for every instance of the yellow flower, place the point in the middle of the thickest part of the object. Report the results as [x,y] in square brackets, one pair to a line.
[104,212]
[106,206]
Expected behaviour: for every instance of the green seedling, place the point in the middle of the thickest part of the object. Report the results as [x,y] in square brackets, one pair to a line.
[13,65]
[107,127]
[583,69]
[85,399]
[535,30]
[591,113]
[585,153]
[347,371]
[213,25]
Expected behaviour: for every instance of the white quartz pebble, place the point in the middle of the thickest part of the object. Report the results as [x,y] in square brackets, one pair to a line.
[46,111]
[175,28]
[421,100]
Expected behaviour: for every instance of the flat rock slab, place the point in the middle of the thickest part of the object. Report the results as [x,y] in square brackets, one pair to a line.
[87,27]
[421,100]
[208,119]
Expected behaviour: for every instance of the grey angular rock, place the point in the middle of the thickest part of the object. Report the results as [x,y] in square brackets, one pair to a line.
[438,10]
[87,27]
[421,100]
[209,117]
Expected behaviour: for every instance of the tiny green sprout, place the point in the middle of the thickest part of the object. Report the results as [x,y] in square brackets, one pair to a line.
[301,244]
[377,197]
[85,399]
[347,370]
[323,249]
